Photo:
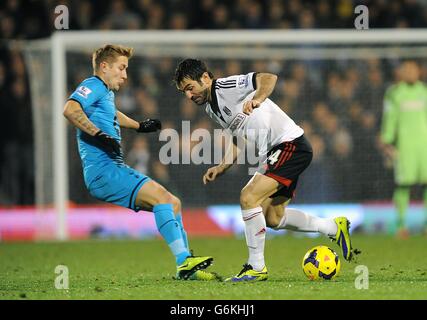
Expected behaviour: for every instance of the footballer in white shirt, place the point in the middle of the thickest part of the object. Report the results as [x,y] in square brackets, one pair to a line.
[241,105]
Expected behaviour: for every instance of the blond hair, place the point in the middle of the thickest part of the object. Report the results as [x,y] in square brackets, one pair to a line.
[109,53]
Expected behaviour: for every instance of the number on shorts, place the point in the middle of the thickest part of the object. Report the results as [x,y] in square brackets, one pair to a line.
[274,157]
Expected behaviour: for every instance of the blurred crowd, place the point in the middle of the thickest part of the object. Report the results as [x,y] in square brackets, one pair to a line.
[338,103]
[34,19]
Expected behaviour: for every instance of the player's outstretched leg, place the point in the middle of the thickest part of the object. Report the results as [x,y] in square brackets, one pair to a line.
[168,227]
[200,274]
[164,206]
[342,237]
[187,263]
[337,229]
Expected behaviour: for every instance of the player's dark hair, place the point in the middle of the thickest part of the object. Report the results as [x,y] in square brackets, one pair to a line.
[192,69]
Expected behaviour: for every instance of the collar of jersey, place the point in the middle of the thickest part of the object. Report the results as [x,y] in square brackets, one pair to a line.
[102,82]
[214,102]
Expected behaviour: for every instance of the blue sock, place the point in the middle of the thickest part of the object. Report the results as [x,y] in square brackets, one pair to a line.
[170,230]
[183,233]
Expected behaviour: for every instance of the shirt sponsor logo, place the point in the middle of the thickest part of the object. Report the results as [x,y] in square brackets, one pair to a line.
[83,91]
[237,122]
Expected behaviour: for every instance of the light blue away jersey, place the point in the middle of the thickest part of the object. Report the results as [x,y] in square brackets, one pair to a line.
[98,104]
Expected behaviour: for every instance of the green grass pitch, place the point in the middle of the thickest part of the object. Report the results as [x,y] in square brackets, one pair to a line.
[144,269]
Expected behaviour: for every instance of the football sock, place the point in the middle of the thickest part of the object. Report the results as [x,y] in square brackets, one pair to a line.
[297,220]
[178,218]
[170,230]
[255,228]
[401,201]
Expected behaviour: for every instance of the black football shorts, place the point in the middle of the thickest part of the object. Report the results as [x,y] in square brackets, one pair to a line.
[286,161]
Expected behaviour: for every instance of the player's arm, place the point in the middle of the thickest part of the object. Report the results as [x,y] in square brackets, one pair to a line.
[227,161]
[265,83]
[149,125]
[389,124]
[126,122]
[75,114]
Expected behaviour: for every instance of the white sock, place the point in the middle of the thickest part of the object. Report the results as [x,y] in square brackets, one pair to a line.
[255,228]
[297,220]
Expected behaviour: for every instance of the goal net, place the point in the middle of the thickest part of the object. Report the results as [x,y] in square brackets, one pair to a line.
[331,83]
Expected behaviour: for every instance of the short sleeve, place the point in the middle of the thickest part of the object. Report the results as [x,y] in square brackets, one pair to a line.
[87,93]
[247,82]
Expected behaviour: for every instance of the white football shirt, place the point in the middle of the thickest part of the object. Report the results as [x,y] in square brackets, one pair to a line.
[267,126]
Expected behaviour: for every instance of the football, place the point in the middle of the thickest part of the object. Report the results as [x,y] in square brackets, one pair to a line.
[321,262]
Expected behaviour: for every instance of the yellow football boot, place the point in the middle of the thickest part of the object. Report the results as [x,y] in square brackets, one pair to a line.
[249,274]
[191,265]
[343,237]
[202,275]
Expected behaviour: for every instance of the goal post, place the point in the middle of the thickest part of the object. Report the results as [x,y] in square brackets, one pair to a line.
[60,150]
[242,45]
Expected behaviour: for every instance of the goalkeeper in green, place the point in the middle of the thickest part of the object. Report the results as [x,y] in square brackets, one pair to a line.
[404,137]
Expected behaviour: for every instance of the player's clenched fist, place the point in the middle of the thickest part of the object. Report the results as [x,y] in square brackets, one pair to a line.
[212,173]
[109,143]
[250,105]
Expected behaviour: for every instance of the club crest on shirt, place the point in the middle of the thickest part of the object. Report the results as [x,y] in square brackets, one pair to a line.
[227,111]
[243,81]
[83,91]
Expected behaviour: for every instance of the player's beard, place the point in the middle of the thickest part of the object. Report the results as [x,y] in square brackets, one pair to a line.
[202,98]
[121,83]
[118,85]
